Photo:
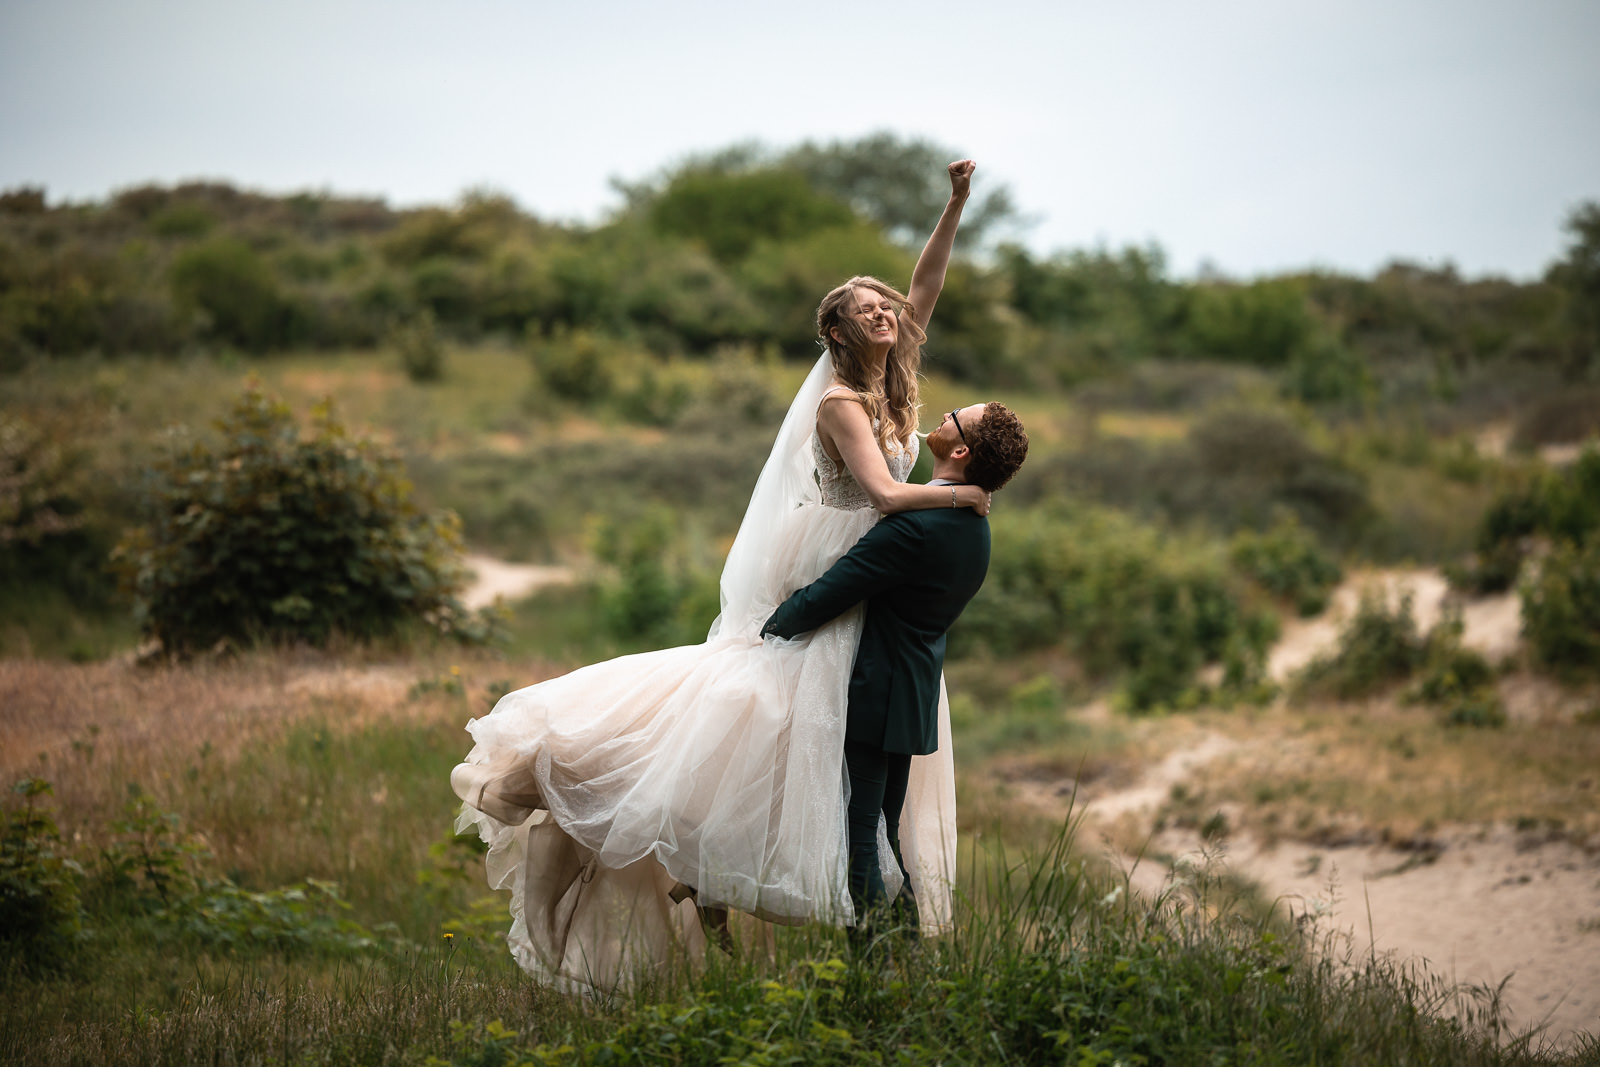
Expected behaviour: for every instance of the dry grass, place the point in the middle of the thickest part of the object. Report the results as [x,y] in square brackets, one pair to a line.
[92,728]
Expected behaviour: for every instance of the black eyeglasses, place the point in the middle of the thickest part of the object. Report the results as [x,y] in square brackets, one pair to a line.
[955,418]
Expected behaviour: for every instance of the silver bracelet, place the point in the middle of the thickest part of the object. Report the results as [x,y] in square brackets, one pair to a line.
[952,496]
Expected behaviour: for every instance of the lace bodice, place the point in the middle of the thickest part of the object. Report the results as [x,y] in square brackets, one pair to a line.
[840,488]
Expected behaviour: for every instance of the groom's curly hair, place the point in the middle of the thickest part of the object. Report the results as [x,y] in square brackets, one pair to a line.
[997,447]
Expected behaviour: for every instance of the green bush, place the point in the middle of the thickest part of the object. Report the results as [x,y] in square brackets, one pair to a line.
[1239,468]
[1561,608]
[731,213]
[1322,369]
[1287,561]
[237,295]
[1457,680]
[1263,323]
[1379,647]
[1128,600]
[1559,505]
[417,343]
[42,476]
[278,536]
[40,916]
[576,365]
[662,595]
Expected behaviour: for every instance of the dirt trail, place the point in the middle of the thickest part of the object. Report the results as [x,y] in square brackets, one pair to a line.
[493,578]
[1479,905]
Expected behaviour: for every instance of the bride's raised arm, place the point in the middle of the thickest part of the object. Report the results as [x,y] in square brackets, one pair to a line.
[927,280]
[845,421]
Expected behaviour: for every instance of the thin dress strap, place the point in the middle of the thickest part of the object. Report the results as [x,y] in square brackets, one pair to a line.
[833,390]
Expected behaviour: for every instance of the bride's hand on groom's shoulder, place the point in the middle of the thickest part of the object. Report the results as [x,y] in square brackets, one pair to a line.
[970,496]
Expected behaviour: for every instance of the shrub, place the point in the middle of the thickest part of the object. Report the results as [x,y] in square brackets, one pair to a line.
[1457,680]
[1324,370]
[272,535]
[1288,562]
[237,294]
[417,343]
[40,917]
[1129,600]
[576,365]
[1262,323]
[1561,608]
[1379,647]
[41,480]
[661,595]
[1562,506]
[1238,468]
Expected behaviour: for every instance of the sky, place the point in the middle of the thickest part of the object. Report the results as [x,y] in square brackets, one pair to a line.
[1246,137]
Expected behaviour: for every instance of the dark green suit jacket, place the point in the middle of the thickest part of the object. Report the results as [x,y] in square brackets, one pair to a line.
[916,571]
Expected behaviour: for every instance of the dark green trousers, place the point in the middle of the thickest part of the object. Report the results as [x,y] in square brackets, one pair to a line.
[878,781]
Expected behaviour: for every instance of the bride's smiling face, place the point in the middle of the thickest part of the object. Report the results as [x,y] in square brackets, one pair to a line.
[874,313]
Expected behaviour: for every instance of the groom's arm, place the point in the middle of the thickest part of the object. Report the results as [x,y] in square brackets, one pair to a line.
[888,555]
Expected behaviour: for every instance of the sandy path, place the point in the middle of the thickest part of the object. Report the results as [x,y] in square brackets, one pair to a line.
[492,578]
[1478,907]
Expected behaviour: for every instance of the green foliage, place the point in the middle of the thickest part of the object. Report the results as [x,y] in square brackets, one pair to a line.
[1126,599]
[579,365]
[151,865]
[1238,468]
[730,213]
[305,918]
[792,277]
[1378,648]
[1287,561]
[1322,369]
[272,535]
[40,915]
[41,480]
[1114,308]
[1263,323]
[1559,506]
[1561,607]
[1050,967]
[662,595]
[421,353]
[901,185]
[237,294]
[1578,276]
[1457,680]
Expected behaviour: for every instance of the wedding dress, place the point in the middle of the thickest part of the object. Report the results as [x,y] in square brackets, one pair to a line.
[605,793]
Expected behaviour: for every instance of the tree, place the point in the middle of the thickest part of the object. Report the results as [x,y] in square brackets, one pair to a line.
[901,185]
[1578,275]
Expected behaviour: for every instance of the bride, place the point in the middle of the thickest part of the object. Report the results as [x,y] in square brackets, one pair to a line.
[611,796]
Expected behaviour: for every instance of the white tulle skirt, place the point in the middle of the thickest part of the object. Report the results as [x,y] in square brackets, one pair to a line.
[716,766]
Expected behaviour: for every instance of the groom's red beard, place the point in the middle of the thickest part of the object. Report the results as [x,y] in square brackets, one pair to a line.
[940,448]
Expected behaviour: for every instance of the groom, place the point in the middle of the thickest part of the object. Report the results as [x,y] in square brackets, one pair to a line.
[916,571]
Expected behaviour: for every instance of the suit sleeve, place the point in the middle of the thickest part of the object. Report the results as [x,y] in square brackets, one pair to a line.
[887,555]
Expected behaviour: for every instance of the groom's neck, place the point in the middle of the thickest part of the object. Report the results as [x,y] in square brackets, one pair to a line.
[950,472]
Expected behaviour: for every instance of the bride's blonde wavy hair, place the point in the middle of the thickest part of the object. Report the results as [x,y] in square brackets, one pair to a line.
[890,394]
